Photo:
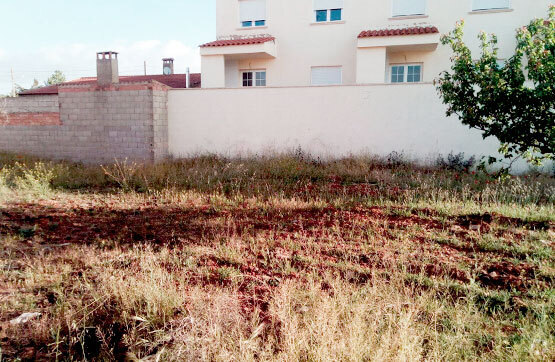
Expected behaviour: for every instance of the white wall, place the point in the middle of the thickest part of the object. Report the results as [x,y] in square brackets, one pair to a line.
[304,44]
[213,73]
[371,65]
[327,121]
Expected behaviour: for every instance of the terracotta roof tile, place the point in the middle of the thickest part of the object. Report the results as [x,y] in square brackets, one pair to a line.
[174,81]
[415,30]
[51,89]
[245,41]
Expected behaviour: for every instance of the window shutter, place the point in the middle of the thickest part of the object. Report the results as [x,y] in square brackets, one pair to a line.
[326,75]
[490,4]
[409,7]
[328,4]
[252,10]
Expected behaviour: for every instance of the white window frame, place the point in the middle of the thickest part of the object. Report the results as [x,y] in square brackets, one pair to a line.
[474,10]
[393,15]
[328,18]
[326,66]
[253,71]
[406,72]
[254,26]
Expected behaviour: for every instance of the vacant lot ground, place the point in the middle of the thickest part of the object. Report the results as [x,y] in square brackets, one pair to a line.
[284,258]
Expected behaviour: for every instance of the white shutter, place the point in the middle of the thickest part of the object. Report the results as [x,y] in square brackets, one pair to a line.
[490,4]
[326,75]
[252,10]
[409,7]
[328,4]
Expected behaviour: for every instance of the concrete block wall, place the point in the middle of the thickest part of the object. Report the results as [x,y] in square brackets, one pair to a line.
[160,124]
[98,125]
[40,110]
[30,104]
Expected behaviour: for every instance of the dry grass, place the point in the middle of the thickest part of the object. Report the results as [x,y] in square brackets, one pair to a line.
[284,258]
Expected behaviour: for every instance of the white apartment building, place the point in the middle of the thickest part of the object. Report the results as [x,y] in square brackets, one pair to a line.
[288,43]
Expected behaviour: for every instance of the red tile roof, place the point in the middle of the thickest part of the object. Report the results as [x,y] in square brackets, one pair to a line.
[244,41]
[174,81]
[51,89]
[415,30]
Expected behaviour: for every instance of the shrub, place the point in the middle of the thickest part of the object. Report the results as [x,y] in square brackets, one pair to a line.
[35,180]
[456,162]
[28,180]
[396,159]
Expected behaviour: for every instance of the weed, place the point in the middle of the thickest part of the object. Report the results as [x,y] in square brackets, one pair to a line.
[123,173]
[27,232]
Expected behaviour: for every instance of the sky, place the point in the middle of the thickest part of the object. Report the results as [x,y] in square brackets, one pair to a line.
[42,36]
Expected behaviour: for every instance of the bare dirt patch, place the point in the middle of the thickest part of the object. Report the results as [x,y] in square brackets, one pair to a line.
[326,236]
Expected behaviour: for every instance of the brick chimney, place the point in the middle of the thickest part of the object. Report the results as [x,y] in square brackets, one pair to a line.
[107,72]
[167,66]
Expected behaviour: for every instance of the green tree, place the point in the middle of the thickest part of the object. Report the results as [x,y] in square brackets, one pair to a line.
[514,101]
[56,78]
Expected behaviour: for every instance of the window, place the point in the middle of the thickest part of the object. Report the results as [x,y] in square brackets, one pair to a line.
[409,7]
[335,14]
[413,73]
[397,74]
[254,78]
[248,24]
[326,75]
[328,10]
[321,15]
[260,80]
[406,73]
[253,13]
[478,5]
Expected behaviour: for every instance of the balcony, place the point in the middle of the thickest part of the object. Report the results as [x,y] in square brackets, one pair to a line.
[374,46]
[217,56]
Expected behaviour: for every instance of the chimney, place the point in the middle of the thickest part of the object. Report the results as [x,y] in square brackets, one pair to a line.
[107,72]
[188,80]
[167,64]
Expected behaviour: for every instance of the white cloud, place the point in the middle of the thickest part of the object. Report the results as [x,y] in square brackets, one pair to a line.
[78,60]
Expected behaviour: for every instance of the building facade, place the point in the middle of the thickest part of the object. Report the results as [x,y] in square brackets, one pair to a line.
[284,43]
[333,77]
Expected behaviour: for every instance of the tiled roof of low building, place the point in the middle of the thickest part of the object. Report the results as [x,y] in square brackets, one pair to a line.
[414,30]
[173,80]
[243,41]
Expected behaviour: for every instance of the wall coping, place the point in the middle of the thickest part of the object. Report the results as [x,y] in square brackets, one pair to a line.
[122,86]
[307,86]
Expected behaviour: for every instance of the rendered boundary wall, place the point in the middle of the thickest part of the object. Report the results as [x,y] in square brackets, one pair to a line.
[329,121]
[96,125]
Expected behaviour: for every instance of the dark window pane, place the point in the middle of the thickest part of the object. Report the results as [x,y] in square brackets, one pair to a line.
[260,23]
[247,79]
[247,24]
[335,14]
[321,15]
